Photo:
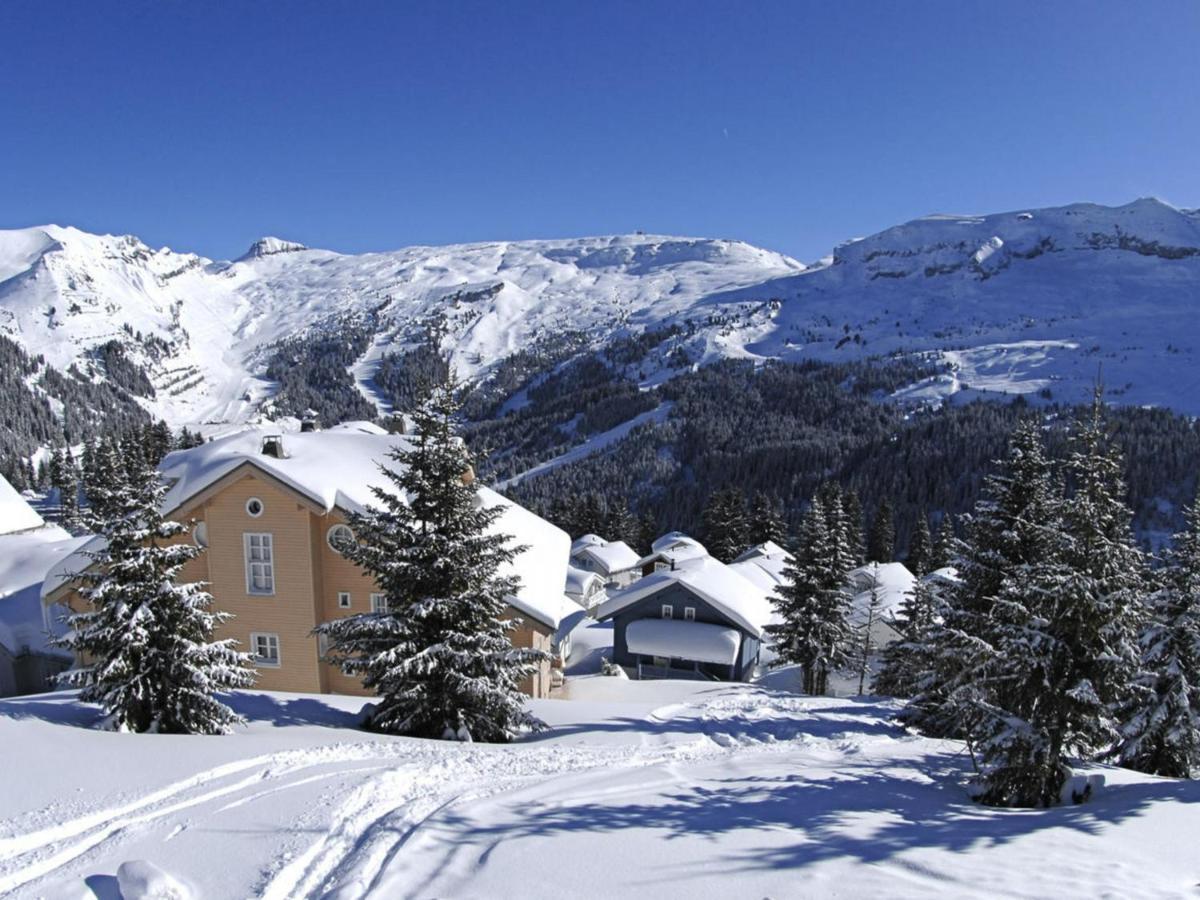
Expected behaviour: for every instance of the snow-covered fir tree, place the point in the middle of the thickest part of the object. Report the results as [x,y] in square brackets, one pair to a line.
[1013,530]
[881,542]
[144,638]
[1161,722]
[863,642]
[439,654]
[64,479]
[765,521]
[725,528]
[907,660]
[920,547]
[852,513]
[813,605]
[944,547]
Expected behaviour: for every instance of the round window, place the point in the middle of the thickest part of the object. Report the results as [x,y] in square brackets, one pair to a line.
[340,537]
[254,507]
[200,534]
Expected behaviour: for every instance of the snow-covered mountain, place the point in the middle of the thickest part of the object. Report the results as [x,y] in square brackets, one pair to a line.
[1027,301]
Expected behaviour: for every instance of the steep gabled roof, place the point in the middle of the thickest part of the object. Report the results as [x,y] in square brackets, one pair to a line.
[735,596]
[614,556]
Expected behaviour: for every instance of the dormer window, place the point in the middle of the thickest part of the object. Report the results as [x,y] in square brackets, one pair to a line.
[272,445]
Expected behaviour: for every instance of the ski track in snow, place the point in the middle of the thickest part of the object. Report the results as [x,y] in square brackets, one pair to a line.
[397,786]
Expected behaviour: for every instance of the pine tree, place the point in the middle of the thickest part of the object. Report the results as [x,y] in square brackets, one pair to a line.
[439,655]
[145,639]
[157,441]
[881,542]
[619,524]
[765,521]
[1161,732]
[813,605]
[62,478]
[852,513]
[944,548]
[920,547]
[103,476]
[725,531]
[647,533]
[1012,532]
[905,661]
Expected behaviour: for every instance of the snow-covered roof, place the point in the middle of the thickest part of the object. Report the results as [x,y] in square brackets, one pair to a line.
[764,571]
[698,641]
[613,556]
[15,513]
[767,549]
[892,581]
[24,561]
[944,575]
[743,601]
[675,539]
[579,580]
[585,541]
[337,468]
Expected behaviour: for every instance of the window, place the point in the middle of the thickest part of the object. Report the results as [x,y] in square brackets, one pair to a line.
[260,564]
[668,611]
[200,535]
[689,614]
[343,599]
[264,648]
[379,603]
[254,507]
[339,537]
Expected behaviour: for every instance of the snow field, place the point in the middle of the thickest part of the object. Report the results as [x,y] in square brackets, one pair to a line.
[684,788]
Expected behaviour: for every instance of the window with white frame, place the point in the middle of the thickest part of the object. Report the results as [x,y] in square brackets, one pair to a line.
[379,603]
[264,648]
[260,564]
[689,613]
[340,538]
[343,599]
[668,611]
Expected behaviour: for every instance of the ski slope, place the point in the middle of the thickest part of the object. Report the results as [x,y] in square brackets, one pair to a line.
[697,790]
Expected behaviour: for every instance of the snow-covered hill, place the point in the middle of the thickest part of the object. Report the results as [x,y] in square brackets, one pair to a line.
[1024,302]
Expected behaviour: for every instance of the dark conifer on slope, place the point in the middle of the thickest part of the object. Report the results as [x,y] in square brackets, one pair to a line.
[765,521]
[439,655]
[881,542]
[920,547]
[906,661]
[813,605]
[63,479]
[1161,731]
[725,531]
[151,662]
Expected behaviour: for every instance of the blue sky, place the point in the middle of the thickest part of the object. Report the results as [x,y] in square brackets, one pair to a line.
[361,125]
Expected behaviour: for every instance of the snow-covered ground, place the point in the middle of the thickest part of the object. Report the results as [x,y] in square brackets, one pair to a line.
[669,788]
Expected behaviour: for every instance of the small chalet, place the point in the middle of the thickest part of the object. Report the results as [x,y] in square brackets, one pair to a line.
[272,509]
[585,588]
[614,561]
[699,618]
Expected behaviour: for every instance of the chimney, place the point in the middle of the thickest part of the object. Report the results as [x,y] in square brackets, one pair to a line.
[309,421]
[272,445]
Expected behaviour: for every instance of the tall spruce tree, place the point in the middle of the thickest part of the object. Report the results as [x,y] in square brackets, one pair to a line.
[725,531]
[439,655]
[813,605]
[906,661]
[920,547]
[647,533]
[944,547]
[765,521]
[881,542]
[1161,729]
[145,639]
[63,479]
[852,512]
[1012,533]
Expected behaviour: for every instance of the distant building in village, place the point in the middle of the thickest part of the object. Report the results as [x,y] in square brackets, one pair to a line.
[614,561]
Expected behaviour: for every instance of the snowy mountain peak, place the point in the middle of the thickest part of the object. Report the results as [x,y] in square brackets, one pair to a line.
[270,246]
